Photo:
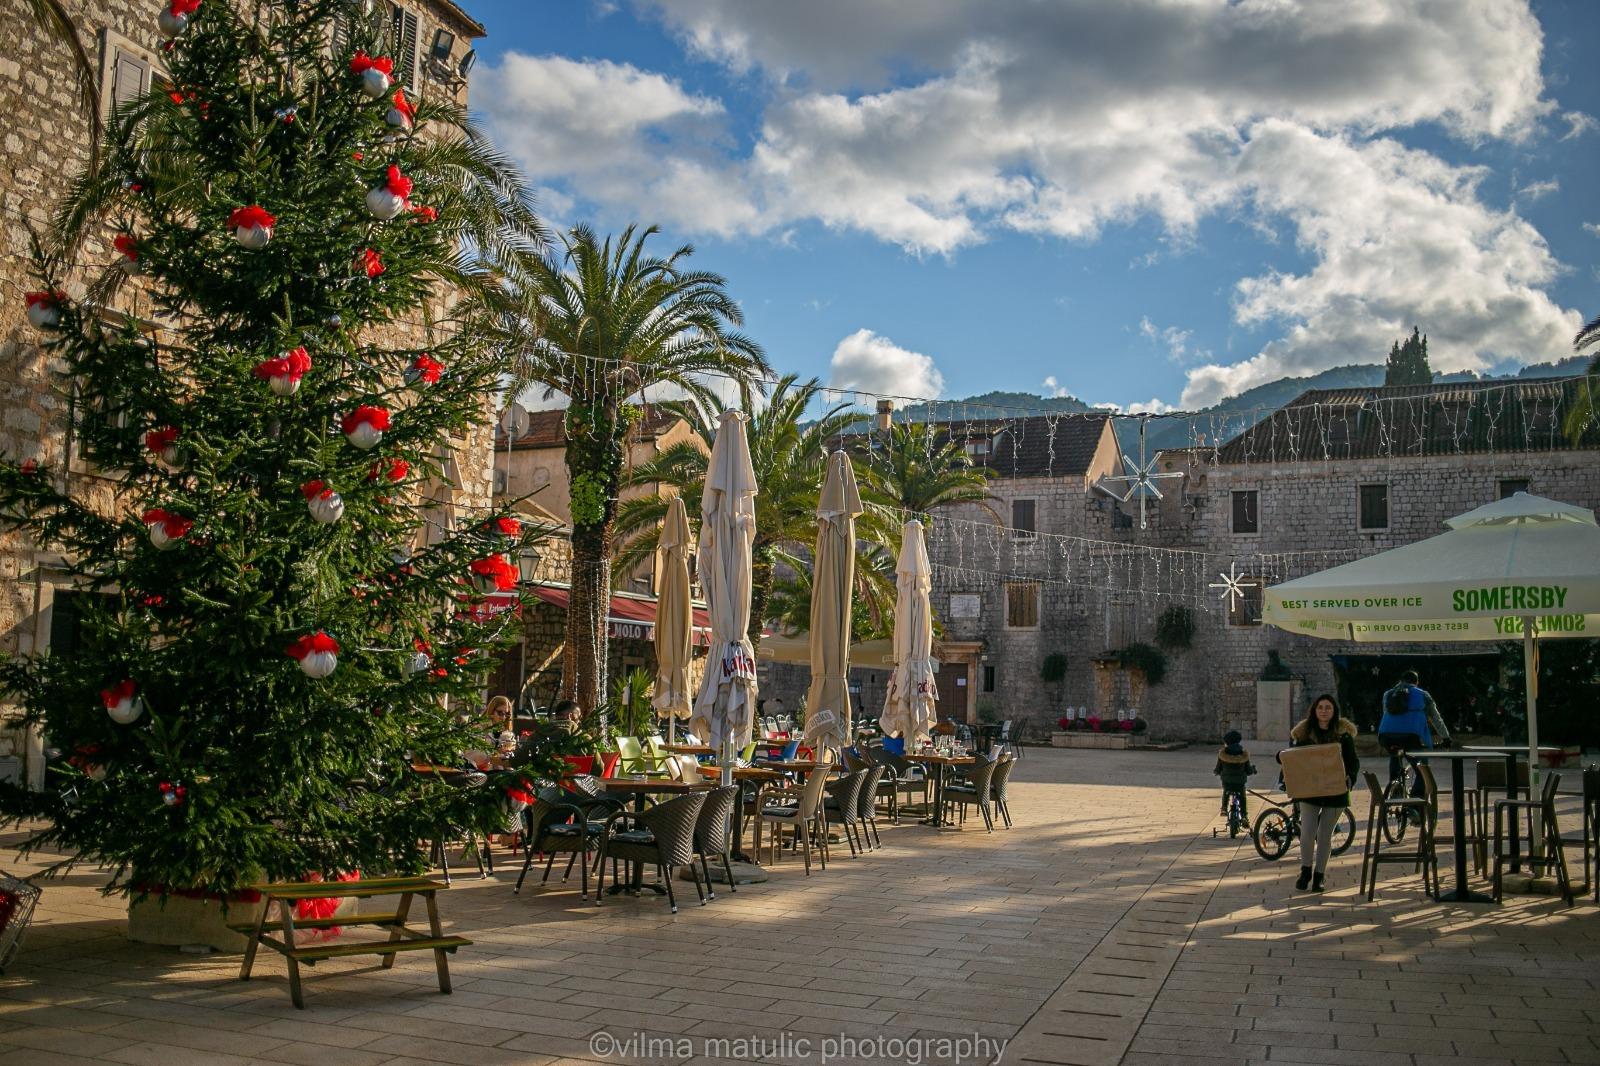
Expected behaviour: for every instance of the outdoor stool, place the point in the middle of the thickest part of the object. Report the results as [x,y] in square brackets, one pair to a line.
[1372,854]
[1589,839]
[1555,853]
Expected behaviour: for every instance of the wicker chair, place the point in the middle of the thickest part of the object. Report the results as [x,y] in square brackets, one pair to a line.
[843,806]
[976,791]
[904,776]
[867,804]
[711,835]
[557,822]
[662,836]
[997,787]
[805,816]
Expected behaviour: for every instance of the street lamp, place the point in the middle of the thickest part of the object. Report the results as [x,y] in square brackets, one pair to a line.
[528,564]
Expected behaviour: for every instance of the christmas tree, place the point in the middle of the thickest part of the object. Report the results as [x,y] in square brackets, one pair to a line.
[285,633]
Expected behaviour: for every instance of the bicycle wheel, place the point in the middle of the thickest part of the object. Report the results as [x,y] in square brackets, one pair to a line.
[1235,817]
[1395,822]
[1272,834]
[1344,833]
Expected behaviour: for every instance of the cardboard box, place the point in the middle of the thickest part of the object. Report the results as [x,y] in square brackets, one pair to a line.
[1313,771]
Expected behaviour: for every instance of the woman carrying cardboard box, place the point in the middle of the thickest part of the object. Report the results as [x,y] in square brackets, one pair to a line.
[1319,814]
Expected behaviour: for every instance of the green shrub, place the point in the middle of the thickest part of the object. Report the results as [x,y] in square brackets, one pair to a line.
[1054,667]
[1146,658]
[1175,628]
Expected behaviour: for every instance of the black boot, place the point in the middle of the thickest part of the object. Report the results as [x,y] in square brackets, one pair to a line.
[1316,882]
[1304,879]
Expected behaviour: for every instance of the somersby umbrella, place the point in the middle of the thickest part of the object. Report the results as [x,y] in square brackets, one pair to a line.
[674,620]
[833,571]
[908,709]
[725,708]
[1524,567]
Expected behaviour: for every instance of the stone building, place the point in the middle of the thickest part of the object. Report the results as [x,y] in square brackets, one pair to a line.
[1334,476]
[44,140]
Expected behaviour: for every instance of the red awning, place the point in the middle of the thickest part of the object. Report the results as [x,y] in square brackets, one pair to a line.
[630,618]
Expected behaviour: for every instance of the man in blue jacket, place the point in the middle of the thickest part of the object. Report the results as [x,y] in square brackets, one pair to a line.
[1410,720]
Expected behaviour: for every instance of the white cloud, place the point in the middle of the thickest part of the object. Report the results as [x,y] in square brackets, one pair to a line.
[1592,228]
[1054,389]
[1154,406]
[1173,339]
[1578,124]
[871,363]
[1537,190]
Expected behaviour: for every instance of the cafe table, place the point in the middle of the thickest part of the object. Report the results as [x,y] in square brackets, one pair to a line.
[940,764]
[639,788]
[752,780]
[1458,816]
[689,749]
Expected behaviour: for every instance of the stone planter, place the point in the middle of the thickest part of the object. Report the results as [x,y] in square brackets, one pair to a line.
[1114,741]
[185,921]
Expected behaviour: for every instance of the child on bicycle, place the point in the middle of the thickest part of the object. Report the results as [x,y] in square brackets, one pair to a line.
[1234,767]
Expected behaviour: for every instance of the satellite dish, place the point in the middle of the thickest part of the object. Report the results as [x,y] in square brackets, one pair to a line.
[515,420]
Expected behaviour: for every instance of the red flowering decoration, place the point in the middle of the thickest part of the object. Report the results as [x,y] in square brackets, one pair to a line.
[401,112]
[121,691]
[424,213]
[254,215]
[493,574]
[172,795]
[393,470]
[171,525]
[425,369]
[127,245]
[366,415]
[360,63]
[370,262]
[397,182]
[44,308]
[312,643]
[291,365]
[158,440]
[184,7]
[152,600]
[317,489]
[358,156]
[507,527]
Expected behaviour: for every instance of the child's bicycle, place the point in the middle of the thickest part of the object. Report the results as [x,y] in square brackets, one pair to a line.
[1278,826]
[1236,820]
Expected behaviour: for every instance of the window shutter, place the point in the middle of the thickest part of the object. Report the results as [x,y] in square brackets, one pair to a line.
[403,33]
[340,38]
[130,78]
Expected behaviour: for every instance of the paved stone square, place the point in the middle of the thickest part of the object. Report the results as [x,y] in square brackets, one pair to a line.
[1109,926]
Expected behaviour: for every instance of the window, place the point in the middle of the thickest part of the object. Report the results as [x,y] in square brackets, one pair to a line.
[125,71]
[1022,605]
[1246,610]
[977,449]
[1247,511]
[1373,504]
[67,622]
[1509,487]
[1023,519]
[403,34]
[988,679]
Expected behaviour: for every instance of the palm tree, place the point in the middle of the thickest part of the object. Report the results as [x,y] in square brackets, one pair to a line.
[788,452]
[52,17]
[1583,404]
[917,469]
[600,323]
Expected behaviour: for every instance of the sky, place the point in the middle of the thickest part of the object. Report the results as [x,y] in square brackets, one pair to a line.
[1147,203]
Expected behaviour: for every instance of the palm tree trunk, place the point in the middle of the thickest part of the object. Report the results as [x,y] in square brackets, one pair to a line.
[760,592]
[594,471]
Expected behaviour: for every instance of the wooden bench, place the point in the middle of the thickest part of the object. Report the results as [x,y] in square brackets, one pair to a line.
[287,894]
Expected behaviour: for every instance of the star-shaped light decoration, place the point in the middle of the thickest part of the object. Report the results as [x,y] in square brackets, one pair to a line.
[1232,585]
[1141,478]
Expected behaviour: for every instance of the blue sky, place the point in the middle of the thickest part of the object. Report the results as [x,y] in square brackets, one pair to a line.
[1143,202]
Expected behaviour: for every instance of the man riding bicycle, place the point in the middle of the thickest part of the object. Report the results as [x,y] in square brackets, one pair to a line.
[1410,720]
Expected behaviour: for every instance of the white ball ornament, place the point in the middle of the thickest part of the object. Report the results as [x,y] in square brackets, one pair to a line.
[122,702]
[170,24]
[327,509]
[364,436]
[44,309]
[283,385]
[254,238]
[418,663]
[317,653]
[374,82]
[364,426]
[252,226]
[384,205]
[319,664]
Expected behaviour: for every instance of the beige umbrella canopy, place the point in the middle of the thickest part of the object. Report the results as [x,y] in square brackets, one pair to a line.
[908,709]
[724,711]
[833,572]
[674,621]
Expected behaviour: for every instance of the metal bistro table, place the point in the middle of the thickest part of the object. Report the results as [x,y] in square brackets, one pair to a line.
[940,764]
[1511,753]
[1458,815]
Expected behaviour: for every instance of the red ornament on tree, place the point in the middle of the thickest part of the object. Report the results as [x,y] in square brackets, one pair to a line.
[252,226]
[317,654]
[376,73]
[424,370]
[164,443]
[44,308]
[369,262]
[174,18]
[402,116]
[325,505]
[389,199]
[493,574]
[424,213]
[392,470]
[364,426]
[172,795]
[129,247]
[506,526]
[284,373]
[166,528]
[122,702]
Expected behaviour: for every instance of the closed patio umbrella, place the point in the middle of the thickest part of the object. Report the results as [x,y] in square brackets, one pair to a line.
[725,708]
[674,620]
[1523,567]
[908,709]
[833,572]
